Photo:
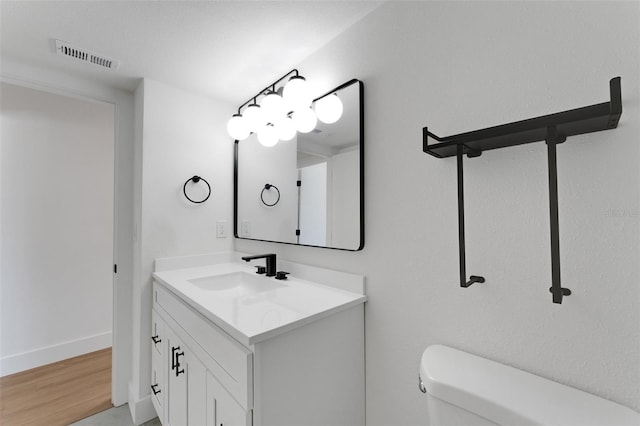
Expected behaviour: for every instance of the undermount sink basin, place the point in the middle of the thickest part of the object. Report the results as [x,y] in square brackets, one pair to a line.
[239,281]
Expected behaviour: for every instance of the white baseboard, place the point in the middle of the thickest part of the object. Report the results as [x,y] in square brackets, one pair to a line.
[141,409]
[27,360]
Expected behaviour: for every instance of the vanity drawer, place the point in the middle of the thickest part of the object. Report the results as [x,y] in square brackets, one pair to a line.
[229,361]
[158,339]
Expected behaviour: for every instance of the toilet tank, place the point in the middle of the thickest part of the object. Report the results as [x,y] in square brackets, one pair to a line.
[464,389]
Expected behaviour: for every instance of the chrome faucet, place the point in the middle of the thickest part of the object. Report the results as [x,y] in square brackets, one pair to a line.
[270,259]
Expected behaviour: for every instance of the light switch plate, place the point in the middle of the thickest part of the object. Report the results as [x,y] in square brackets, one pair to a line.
[222,229]
[245,230]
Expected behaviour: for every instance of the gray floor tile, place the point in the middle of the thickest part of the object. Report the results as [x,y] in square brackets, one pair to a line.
[116,416]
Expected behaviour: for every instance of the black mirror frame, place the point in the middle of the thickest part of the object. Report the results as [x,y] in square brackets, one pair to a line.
[235,177]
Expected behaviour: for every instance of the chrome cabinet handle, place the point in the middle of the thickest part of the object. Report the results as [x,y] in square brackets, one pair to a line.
[421,385]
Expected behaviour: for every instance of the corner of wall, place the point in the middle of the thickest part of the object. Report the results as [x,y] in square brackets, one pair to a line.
[141,409]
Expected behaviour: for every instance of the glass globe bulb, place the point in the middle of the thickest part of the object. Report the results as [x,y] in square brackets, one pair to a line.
[329,109]
[272,107]
[305,120]
[236,127]
[254,119]
[296,93]
[286,129]
[268,135]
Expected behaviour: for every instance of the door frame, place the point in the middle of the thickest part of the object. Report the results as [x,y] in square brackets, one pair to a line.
[55,83]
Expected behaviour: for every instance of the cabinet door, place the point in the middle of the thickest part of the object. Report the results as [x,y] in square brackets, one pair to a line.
[187,385]
[158,340]
[158,365]
[222,409]
[158,388]
[196,391]
[177,381]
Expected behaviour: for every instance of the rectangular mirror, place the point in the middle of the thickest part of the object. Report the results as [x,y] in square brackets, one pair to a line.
[308,190]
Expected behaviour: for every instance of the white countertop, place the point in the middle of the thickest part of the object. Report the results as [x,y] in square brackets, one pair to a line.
[257,316]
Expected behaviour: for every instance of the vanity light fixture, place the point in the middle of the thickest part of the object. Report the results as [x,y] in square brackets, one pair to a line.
[236,127]
[286,129]
[304,119]
[329,108]
[253,118]
[296,93]
[268,135]
[272,107]
[283,110]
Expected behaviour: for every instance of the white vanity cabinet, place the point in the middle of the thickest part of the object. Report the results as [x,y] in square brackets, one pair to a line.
[222,409]
[311,374]
[181,383]
[185,368]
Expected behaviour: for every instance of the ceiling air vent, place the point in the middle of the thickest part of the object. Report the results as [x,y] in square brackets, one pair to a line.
[65,49]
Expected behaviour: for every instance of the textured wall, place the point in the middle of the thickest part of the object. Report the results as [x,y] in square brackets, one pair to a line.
[462,66]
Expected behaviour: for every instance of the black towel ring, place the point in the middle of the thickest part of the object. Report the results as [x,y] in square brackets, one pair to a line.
[196,179]
[268,187]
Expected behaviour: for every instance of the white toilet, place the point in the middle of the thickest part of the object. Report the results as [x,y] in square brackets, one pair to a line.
[464,389]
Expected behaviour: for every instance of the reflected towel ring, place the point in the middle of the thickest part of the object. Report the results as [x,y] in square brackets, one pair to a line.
[267,187]
[196,179]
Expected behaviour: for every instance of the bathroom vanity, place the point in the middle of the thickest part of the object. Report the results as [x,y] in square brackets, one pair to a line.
[231,347]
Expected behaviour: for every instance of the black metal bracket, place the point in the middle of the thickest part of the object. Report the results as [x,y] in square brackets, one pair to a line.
[553,129]
[552,140]
[461,241]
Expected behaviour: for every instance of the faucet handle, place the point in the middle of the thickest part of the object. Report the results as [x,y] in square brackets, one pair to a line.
[281,275]
[261,269]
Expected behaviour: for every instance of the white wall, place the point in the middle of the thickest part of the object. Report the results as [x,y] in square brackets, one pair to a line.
[178,135]
[461,66]
[345,200]
[259,165]
[57,227]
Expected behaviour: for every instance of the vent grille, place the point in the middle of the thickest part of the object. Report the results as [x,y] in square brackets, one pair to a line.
[65,49]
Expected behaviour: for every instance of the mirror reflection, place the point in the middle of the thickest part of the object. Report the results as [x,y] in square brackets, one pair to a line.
[307,190]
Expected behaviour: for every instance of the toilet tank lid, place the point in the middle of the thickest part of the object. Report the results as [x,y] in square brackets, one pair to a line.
[507,396]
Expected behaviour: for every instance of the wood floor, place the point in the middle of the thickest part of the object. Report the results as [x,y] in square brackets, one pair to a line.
[59,393]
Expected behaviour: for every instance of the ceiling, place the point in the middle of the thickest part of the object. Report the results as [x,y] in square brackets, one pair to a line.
[227,50]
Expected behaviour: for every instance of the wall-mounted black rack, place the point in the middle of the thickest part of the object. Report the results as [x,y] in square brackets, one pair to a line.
[553,129]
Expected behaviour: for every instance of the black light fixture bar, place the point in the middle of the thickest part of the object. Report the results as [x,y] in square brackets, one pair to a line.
[271,87]
[553,129]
